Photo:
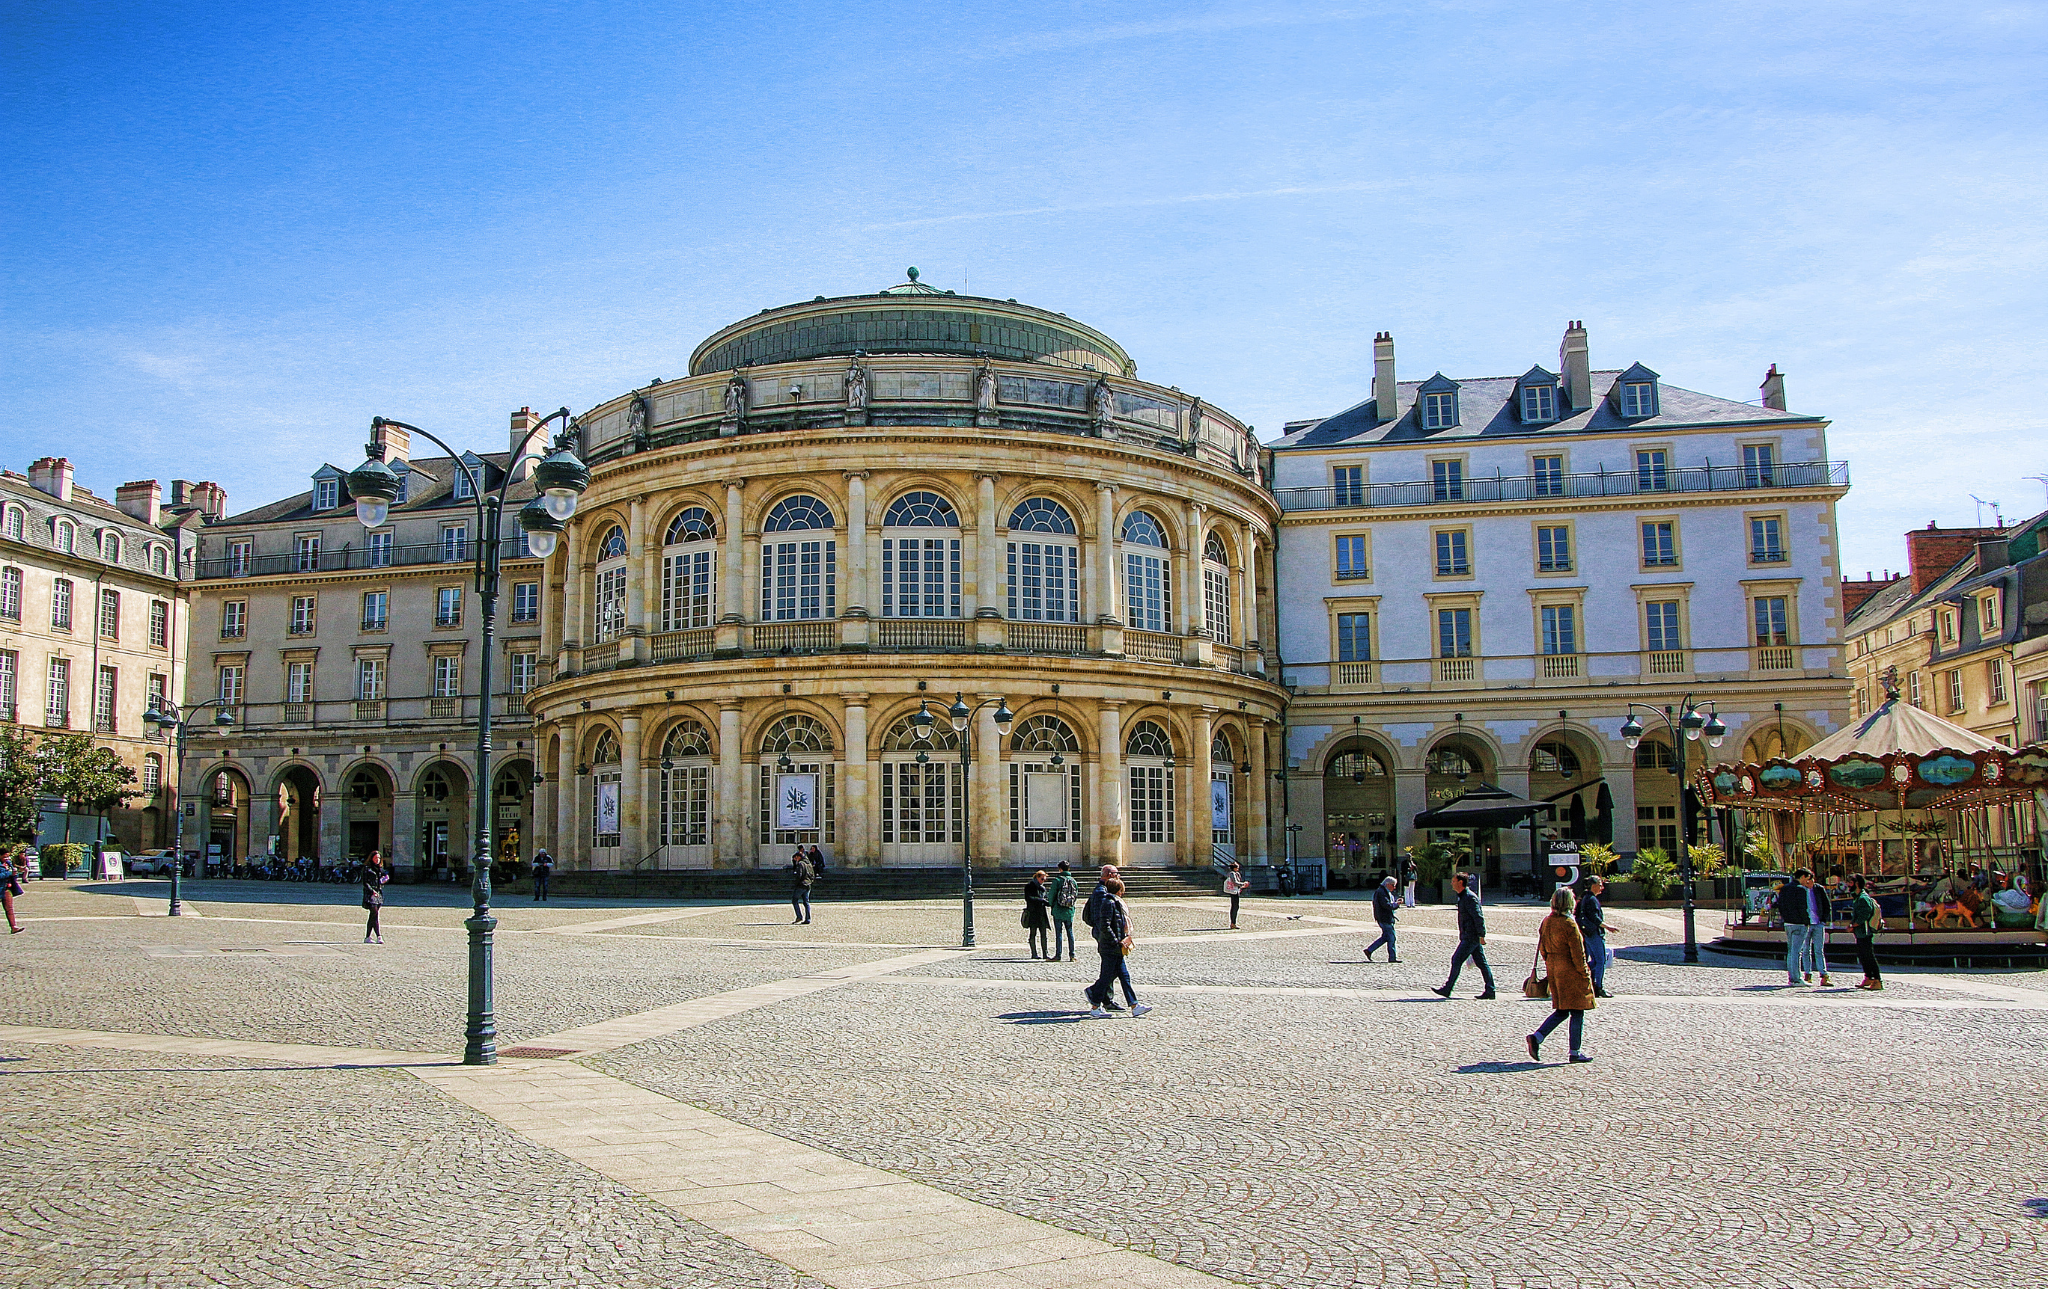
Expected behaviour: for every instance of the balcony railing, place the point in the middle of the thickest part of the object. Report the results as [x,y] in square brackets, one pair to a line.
[298,714]
[1560,666]
[370,709]
[1621,483]
[1667,662]
[1354,673]
[921,633]
[1777,658]
[443,709]
[1518,671]
[696,642]
[1151,646]
[599,656]
[1047,637]
[344,558]
[57,720]
[796,637]
[1455,670]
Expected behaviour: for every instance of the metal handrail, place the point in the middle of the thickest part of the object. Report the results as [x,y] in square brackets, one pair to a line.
[1605,483]
[351,557]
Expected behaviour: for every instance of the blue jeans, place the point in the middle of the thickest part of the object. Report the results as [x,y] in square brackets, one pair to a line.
[1387,939]
[1596,958]
[1062,929]
[1578,1026]
[540,885]
[1476,952]
[800,900]
[1113,970]
[1804,943]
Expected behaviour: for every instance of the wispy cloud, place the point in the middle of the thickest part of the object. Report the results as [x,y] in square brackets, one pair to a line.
[1192,24]
[1189,199]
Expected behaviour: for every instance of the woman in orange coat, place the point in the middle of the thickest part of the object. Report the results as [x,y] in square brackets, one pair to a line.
[1571,977]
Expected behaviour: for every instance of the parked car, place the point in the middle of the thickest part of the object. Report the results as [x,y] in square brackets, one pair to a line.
[155,862]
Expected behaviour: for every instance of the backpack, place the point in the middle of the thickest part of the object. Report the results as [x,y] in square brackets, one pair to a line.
[1063,893]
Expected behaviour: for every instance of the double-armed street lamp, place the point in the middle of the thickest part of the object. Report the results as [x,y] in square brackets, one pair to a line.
[560,478]
[961,717]
[1691,723]
[176,723]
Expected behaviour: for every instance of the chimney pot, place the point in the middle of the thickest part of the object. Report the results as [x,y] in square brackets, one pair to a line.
[1575,365]
[52,475]
[140,500]
[397,443]
[1773,389]
[1386,394]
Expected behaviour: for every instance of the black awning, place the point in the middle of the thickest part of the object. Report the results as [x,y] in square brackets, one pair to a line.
[1485,806]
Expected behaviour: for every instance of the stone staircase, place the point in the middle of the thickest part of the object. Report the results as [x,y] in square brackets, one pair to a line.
[857,884]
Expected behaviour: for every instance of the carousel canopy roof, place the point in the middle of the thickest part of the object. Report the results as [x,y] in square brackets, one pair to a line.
[1900,727]
[1485,806]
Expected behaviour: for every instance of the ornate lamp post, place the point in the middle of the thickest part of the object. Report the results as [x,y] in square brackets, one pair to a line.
[1691,723]
[961,717]
[176,723]
[561,478]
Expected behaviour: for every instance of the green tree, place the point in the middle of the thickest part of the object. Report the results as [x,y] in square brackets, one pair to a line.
[1707,860]
[85,775]
[1654,872]
[21,787]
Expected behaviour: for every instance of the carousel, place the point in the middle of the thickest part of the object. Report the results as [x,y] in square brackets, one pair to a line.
[1941,822]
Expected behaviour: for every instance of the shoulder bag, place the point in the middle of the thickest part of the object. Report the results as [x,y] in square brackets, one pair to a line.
[1538,984]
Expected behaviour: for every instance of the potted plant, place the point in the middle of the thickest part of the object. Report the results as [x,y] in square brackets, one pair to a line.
[1434,861]
[1653,872]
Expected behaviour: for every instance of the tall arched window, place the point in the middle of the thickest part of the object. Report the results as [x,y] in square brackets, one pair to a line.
[1045,791]
[67,538]
[608,605]
[1222,798]
[159,561]
[152,772]
[920,569]
[110,547]
[798,787]
[1215,590]
[799,561]
[1045,570]
[17,522]
[689,571]
[923,798]
[604,792]
[686,788]
[1148,753]
[1148,574]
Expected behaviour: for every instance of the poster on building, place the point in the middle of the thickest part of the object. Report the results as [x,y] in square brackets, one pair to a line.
[796,802]
[1219,804]
[607,808]
[1045,802]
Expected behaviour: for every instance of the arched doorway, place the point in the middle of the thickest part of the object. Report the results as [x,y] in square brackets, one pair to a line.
[1152,801]
[1453,766]
[367,798]
[298,813]
[923,798]
[685,818]
[1358,811]
[1222,796]
[442,792]
[798,786]
[605,805]
[224,807]
[512,812]
[1045,792]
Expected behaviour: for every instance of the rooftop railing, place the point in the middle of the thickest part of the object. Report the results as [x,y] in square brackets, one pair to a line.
[350,557]
[1566,487]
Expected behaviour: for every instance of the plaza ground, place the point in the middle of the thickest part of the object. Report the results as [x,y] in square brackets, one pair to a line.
[252,1096]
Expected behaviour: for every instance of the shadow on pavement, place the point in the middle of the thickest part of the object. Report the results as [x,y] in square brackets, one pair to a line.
[1501,1067]
[1042,1018]
[415,895]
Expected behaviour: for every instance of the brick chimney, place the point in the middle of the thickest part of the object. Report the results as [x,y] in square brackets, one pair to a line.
[1932,551]
[397,443]
[1386,395]
[181,493]
[52,475]
[140,499]
[211,499]
[1854,593]
[1575,365]
[523,422]
[1774,389]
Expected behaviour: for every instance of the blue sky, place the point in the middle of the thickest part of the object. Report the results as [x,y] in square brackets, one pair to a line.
[233,233]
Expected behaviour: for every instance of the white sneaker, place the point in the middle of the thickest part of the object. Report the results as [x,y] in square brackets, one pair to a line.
[1139,1009]
[1098,1014]
[367,940]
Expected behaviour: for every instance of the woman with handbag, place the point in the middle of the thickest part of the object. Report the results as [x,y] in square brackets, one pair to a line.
[1562,951]
[1037,921]
[375,875]
[10,886]
[1234,886]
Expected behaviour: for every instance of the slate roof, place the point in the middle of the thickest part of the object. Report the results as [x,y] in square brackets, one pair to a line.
[1486,408]
[91,515]
[430,488]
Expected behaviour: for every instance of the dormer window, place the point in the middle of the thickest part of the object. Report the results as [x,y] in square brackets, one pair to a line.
[110,547]
[404,473]
[1636,392]
[326,494]
[1438,401]
[1538,397]
[67,538]
[465,486]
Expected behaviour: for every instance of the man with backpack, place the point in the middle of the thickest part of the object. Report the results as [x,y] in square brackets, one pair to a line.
[801,875]
[1062,898]
[1092,918]
[543,869]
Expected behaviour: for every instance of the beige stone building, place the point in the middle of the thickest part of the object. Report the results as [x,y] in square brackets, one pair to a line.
[856,507]
[93,624]
[349,657]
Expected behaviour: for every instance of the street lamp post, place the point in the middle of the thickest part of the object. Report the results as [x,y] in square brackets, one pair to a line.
[961,717]
[1690,723]
[175,722]
[561,478]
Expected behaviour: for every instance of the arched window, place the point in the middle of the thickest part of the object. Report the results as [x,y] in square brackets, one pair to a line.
[363,786]
[434,784]
[796,733]
[110,547]
[686,784]
[1449,760]
[159,561]
[1045,575]
[920,573]
[606,749]
[1215,590]
[67,538]
[923,795]
[1356,764]
[797,787]
[940,736]
[1044,735]
[1148,575]
[604,791]
[17,522]
[152,772]
[1653,755]
[1149,750]
[1045,789]
[1222,797]
[1220,751]
[1553,757]
[800,576]
[689,571]
[608,604]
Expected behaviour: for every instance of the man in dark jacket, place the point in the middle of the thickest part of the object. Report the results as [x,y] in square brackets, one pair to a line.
[1471,940]
[1091,917]
[1805,908]
[1592,920]
[1383,906]
[543,869]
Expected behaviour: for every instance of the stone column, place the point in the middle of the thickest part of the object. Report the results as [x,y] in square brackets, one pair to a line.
[857,556]
[985,805]
[986,600]
[1411,798]
[1258,844]
[1242,629]
[1197,850]
[632,792]
[333,835]
[1102,581]
[859,806]
[1188,619]
[734,606]
[729,795]
[572,602]
[1111,793]
[405,833]
[567,786]
[634,646]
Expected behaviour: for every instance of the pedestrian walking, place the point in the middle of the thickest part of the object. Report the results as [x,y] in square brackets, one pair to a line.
[543,869]
[375,875]
[1805,911]
[1471,940]
[1113,938]
[1063,895]
[1562,951]
[1592,920]
[1865,918]
[1234,886]
[1037,915]
[1091,917]
[10,886]
[1383,905]
[1408,872]
[801,875]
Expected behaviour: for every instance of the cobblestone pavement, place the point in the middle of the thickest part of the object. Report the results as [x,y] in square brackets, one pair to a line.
[1301,1119]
